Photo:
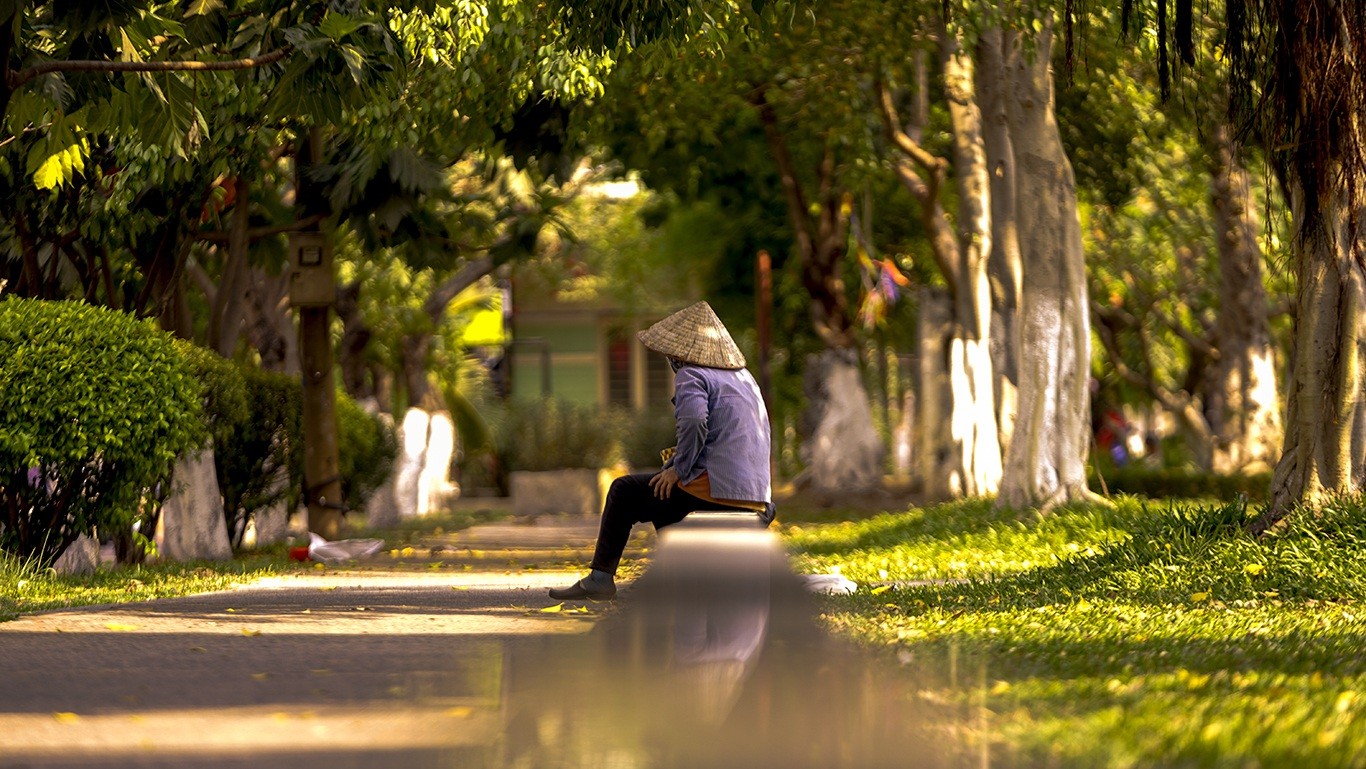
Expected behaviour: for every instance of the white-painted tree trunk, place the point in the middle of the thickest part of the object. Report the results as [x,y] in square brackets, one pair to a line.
[412,440]
[80,557]
[270,524]
[903,438]
[972,384]
[434,484]
[1046,461]
[192,526]
[267,526]
[1005,271]
[420,482]
[843,454]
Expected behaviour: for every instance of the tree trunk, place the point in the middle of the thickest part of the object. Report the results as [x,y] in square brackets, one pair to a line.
[192,526]
[356,335]
[225,323]
[322,476]
[165,281]
[1046,463]
[1326,377]
[1245,411]
[842,432]
[1004,269]
[973,409]
[970,463]
[938,467]
[841,453]
[414,350]
[270,327]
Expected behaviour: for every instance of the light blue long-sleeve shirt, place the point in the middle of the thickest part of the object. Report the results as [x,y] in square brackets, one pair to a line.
[722,430]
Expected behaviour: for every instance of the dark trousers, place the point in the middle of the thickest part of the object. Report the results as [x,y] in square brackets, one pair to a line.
[631,501]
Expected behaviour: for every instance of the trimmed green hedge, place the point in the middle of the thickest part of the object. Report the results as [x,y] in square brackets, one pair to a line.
[551,434]
[95,407]
[367,447]
[222,390]
[260,462]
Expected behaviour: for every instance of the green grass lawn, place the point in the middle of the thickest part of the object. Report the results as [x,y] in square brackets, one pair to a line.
[25,589]
[1150,634]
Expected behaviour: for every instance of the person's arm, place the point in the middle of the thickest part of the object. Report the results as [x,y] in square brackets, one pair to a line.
[690,414]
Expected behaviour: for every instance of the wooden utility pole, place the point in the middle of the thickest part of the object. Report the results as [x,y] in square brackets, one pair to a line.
[313,289]
[763,321]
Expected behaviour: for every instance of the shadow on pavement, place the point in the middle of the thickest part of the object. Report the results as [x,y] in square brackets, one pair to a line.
[715,661]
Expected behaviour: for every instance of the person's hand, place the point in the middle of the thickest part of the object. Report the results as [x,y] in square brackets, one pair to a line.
[664,483]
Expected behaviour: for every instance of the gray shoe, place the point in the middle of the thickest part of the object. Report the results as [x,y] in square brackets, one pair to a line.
[597,586]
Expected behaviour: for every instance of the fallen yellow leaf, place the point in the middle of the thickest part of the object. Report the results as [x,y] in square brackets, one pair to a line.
[66,718]
[1198,597]
[250,631]
[880,589]
[556,609]
[120,627]
[1254,569]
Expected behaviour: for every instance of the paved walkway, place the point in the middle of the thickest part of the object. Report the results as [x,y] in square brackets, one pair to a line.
[398,663]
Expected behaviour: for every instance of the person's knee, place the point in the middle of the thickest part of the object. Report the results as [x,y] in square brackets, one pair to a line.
[620,492]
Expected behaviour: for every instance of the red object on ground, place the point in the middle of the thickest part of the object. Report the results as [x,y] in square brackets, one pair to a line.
[298,553]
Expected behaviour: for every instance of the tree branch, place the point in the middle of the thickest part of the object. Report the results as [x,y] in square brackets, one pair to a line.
[1196,343]
[934,166]
[18,78]
[1180,404]
[924,186]
[796,201]
[201,278]
[256,233]
[450,288]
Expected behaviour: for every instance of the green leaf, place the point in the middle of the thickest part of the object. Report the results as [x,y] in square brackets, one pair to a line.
[202,7]
[337,26]
[128,49]
[355,63]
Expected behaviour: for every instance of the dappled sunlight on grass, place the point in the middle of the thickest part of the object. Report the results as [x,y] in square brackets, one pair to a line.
[1144,635]
[956,540]
[24,589]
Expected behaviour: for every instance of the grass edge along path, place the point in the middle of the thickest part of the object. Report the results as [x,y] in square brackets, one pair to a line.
[1153,634]
[26,589]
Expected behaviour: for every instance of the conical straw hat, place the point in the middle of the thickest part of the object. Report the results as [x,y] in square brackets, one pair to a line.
[694,335]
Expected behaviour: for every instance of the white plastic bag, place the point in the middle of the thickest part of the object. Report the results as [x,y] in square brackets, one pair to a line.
[834,584]
[320,549]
